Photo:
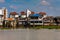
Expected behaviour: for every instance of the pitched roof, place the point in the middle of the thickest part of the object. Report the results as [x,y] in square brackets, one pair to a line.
[42,13]
[13,13]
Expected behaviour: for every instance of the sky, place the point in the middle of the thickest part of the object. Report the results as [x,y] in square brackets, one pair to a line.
[51,7]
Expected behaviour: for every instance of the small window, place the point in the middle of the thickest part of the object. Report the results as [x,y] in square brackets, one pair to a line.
[32,21]
[40,21]
[34,17]
[36,21]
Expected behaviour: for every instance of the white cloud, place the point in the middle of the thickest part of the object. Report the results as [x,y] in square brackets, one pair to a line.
[13,7]
[2,1]
[50,7]
[44,2]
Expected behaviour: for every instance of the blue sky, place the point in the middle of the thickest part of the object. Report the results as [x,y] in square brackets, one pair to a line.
[51,7]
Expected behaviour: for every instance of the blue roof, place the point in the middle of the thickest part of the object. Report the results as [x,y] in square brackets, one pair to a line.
[36,15]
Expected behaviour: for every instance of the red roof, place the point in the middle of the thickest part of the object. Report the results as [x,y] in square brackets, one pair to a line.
[32,12]
[42,13]
[22,13]
[13,13]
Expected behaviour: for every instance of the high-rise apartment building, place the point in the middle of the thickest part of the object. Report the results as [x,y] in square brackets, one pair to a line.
[3,15]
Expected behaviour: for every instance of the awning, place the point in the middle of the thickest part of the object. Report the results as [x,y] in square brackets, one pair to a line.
[10,19]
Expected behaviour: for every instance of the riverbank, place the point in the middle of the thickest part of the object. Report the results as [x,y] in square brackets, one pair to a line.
[33,27]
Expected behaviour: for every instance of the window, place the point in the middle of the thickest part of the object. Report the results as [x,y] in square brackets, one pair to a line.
[34,17]
[36,21]
[32,21]
[40,21]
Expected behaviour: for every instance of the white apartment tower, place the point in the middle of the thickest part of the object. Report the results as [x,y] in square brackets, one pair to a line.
[3,14]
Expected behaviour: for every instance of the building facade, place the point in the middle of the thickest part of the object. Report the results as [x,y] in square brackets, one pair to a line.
[3,15]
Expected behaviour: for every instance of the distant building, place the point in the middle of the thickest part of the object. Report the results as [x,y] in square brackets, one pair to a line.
[28,12]
[3,15]
[13,15]
[23,15]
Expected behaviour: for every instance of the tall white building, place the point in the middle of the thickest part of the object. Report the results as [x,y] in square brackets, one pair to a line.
[28,12]
[3,15]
